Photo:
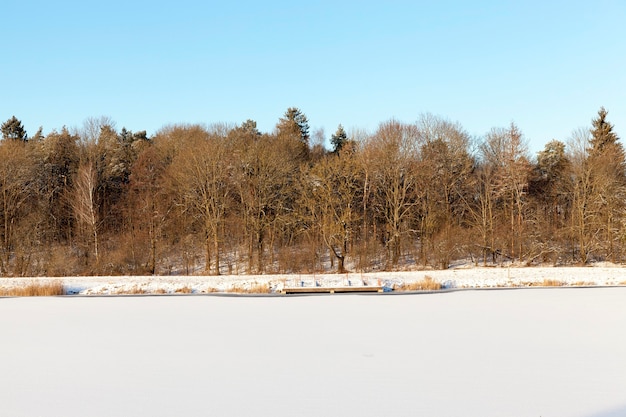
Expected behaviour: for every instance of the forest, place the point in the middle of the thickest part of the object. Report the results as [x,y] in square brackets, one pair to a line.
[229,199]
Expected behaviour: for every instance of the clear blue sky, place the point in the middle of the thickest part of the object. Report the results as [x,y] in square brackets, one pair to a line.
[546,65]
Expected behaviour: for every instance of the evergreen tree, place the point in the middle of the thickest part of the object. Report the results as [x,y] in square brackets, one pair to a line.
[551,162]
[245,133]
[38,135]
[338,139]
[60,155]
[294,122]
[13,129]
[549,183]
[602,135]
[607,169]
[249,127]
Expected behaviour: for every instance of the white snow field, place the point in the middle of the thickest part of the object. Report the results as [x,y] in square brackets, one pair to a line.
[487,353]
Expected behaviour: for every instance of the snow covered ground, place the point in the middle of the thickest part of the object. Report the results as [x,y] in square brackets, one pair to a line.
[451,278]
[540,352]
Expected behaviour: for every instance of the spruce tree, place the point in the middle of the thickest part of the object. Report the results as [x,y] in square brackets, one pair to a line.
[13,129]
[295,122]
[607,163]
[338,139]
[602,135]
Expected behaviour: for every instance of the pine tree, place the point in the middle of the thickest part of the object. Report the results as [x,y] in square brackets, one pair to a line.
[249,127]
[13,129]
[245,133]
[338,139]
[551,162]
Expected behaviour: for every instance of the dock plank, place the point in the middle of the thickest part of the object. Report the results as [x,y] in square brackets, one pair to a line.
[331,290]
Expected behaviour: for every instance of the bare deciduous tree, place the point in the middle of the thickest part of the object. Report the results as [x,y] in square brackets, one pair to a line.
[507,152]
[148,206]
[16,189]
[330,198]
[201,174]
[445,169]
[394,152]
[86,209]
[263,183]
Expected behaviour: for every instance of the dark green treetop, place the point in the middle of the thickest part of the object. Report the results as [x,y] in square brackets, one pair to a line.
[13,129]
[295,122]
[338,139]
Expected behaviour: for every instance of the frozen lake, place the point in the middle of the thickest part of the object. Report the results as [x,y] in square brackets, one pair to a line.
[491,353]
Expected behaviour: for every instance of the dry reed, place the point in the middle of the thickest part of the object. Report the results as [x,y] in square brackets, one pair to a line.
[545,283]
[134,290]
[427,284]
[255,288]
[34,289]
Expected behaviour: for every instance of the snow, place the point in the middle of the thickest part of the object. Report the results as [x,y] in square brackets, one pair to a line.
[546,352]
[462,277]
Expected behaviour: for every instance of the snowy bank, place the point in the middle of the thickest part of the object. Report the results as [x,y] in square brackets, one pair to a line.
[450,278]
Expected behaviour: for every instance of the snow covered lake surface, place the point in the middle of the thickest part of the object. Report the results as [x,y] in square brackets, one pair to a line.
[539,352]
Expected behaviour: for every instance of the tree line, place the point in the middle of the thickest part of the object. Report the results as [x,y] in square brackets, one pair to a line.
[231,199]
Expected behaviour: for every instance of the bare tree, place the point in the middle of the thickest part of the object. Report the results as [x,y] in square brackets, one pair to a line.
[507,152]
[584,210]
[264,187]
[394,152]
[16,190]
[86,209]
[483,211]
[330,199]
[148,206]
[201,175]
[92,127]
[445,169]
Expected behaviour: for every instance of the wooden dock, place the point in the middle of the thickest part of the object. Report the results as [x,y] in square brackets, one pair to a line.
[330,290]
